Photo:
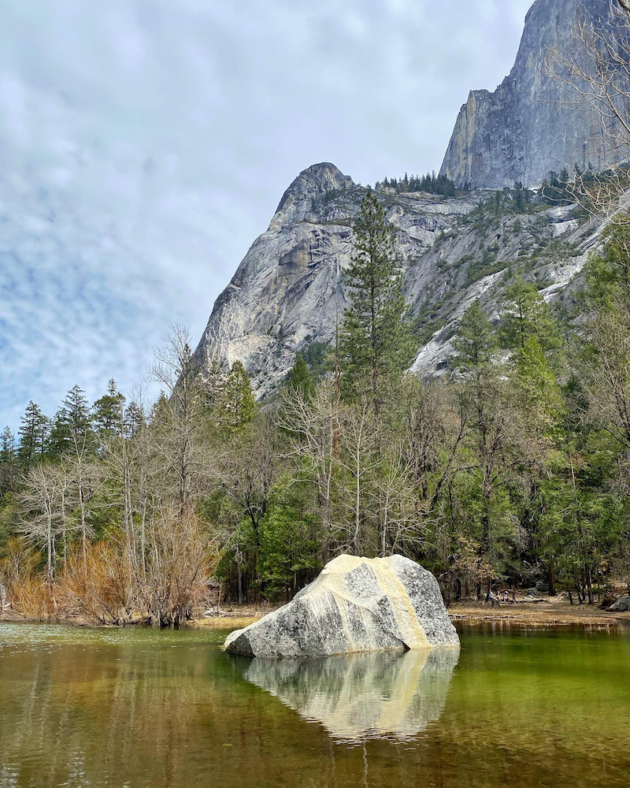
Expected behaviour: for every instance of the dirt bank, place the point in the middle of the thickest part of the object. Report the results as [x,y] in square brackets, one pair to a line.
[553,612]
[549,613]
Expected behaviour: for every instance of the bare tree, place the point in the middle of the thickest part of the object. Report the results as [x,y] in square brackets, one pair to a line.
[180,560]
[85,478]
[358,458]
[313,424]
[178,418]
[597,73]
[396,499]
[42,520]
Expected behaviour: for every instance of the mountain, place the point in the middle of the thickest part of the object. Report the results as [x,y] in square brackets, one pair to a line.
[533,122]
[288,292]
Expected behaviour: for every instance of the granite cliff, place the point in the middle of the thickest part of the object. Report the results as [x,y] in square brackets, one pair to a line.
[534,122]
[288,292]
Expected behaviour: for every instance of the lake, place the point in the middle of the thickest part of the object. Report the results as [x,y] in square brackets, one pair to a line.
[89,707]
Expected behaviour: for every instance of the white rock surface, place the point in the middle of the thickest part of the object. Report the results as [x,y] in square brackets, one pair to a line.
[355,605]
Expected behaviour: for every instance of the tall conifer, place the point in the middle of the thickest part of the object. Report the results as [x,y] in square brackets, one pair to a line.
[375,337]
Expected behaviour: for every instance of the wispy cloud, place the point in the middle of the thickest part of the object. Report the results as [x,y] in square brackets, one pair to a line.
[144,145]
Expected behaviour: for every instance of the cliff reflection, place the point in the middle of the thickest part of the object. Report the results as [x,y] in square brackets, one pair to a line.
[363,696]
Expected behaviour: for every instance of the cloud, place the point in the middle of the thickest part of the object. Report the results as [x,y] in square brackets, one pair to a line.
[144,145]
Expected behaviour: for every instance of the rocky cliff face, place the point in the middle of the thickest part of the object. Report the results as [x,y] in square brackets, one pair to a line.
[533,123]
[289,292]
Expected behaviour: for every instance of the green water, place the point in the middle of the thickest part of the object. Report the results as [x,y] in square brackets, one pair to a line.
[82,707]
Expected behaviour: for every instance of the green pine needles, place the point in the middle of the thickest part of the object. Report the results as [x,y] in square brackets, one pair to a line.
[375,344]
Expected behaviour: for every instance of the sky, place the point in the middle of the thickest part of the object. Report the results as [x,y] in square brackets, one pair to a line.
[145,144]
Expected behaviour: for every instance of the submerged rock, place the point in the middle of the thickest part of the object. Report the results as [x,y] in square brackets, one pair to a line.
[362,696]
[355,605]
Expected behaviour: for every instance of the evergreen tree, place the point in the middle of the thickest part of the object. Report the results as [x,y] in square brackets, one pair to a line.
[475,344]
[72,427]
[8,462]
[59,441]
[34,427]
[300,379]
[528,315]
[238,398]
[540,397]
[134,419]
[288,540]
[376,336]
[108,413]
[214,382]
[486,413]
[521,196]
[608,273]
[161,410]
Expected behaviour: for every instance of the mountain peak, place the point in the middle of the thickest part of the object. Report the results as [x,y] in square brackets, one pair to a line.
[533,123]
[313,182]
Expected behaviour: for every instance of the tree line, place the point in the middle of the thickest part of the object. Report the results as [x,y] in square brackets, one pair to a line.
[429,183]
[513,468]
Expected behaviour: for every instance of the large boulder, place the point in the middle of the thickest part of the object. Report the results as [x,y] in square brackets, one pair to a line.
[622,605]
[356,605]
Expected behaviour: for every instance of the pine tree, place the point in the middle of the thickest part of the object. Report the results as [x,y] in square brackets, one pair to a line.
[213,385]
[72,427]
[539,395]
[300,379]
[239,403]
[8,462]
[33,433]
[376,337]
[482,407]
[108,413]
[475,344]
[519,197]
[528,315]
[134,419]
[608,274]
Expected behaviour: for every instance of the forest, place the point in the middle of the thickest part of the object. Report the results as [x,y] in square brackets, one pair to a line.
[511,469]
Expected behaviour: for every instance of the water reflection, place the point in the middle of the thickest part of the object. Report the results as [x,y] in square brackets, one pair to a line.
[149,709]
[364,696]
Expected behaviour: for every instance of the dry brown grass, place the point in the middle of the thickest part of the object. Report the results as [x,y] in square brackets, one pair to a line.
[224,622]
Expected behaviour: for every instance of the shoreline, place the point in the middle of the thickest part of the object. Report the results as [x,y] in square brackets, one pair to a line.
[548,614]
[526,615]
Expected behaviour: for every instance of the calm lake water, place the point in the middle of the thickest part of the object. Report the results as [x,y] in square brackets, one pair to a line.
[81,707]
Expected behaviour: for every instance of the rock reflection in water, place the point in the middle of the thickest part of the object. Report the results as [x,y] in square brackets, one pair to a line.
[363,696]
